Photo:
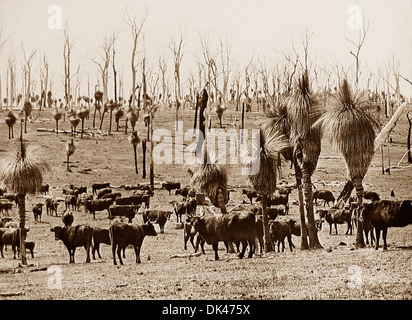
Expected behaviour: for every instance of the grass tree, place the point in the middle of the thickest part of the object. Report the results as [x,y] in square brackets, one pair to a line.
[22,172]
[98,97]
[262,172]
[83,114]
[276,121]
[132,116]
[57,115]
[134,140]
[27,109]
[74,121]
[11,120]
[351,127]
[219,110]
[118,114]
[301,107]
[210,178]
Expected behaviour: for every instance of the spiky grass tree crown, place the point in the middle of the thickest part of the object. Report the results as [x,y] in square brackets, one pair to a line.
[299,107]
[351,127]
[208,176]
[264,167]
[22,171]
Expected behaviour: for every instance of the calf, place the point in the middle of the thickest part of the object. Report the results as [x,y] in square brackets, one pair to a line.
[383,214]
[335,216]
[186,192]
[157,216]
[73,237]
[72,202]
[169,186]
[100,235]
[112,195]
[29,245]
[98,205]
[325,195]
[250,193]
[123,234]
[189,233]
[279,230]
[128,211]
[37,211]
[44,189]
[51,206]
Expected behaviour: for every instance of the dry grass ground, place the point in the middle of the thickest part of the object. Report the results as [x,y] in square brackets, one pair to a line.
[338,272]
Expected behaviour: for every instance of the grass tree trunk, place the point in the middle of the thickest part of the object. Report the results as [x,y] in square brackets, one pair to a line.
[135,158]
[68,162]
[22,214]
[360,242]
[307,187]
[304,236]
[144,158]
[266,233]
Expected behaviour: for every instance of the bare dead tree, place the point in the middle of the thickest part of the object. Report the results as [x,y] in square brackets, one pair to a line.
[163,69]
[104,65]
[136,29]
[68,45]
[12,76]
[27,71]
[176,47]
[44,77]
[363,30]
[225,54]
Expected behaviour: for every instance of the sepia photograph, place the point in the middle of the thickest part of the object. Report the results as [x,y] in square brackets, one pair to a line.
[202,155]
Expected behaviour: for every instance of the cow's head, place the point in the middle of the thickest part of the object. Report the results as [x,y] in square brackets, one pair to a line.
[149,229]
[58,232]
[168,214]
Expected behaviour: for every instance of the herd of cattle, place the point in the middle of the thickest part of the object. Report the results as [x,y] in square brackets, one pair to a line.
[239,228]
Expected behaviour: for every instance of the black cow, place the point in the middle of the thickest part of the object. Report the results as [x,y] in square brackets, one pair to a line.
[189,233]
[51,206]
[250,193]
[5,206]
[98,186]
[67,218]
[128,211]
[279,230]
[112,195]
[98,205]
[37,211]
[156,216]
[44,189]
[169,186]
[102,192]
[129,200]
[123,234]
[383,214]
[326,195]
[282,199]
[71,202]
[73,237]
[186,192]
[371,195]
[335,216]
[10,236]
[227,228]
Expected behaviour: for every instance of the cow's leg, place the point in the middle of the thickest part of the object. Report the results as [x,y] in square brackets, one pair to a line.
[119,249]
[372,236]
[14,251]
[215,247]
[137,253]
[192,238]
[330,228]
[367,237]
[242,253]
[87,248]
[378,232]
[291,245]
[124,252]
[93,251]
[1,250]
[98,251]
[336,228]
[384,233]
[114,253]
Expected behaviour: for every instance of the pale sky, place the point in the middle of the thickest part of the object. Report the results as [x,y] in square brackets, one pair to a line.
[257,29]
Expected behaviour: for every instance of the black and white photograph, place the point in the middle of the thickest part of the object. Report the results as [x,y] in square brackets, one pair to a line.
[202,155]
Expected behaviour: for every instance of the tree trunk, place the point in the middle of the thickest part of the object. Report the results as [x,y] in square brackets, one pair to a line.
[22,214]
[266,233]
[25,124]
[360,243]
[57,126]
[408,142]
[313,233]
[196,111]
[94,117]
[110,123]
[346,191]
[68,162]
[144,158]
[304,236]
[135,157]
[125,126]
[101,121]
[82,128]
